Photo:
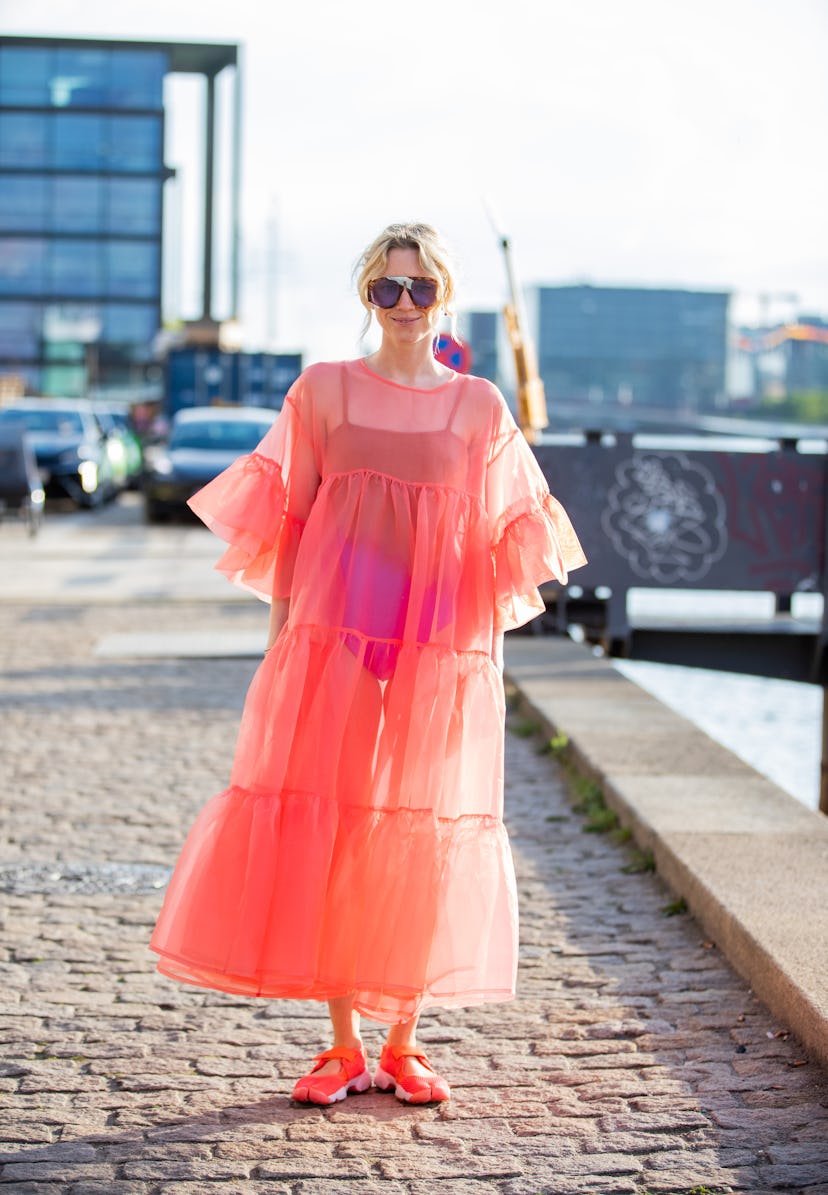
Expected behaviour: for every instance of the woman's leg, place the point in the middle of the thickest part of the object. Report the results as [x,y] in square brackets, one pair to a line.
[345,1024]
[413,1080]
[405,1034]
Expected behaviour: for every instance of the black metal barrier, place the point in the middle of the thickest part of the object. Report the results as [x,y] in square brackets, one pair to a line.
[679,518]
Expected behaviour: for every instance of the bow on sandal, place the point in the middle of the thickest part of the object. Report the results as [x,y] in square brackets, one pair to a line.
[327,1089]
[413,1089]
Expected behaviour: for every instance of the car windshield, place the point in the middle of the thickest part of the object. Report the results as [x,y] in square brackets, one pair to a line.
[119,418]
[54,423]
[218,435]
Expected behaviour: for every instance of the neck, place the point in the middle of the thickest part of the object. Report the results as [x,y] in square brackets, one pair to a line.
[413,364]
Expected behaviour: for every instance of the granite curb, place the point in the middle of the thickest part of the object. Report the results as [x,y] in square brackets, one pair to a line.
[750,861]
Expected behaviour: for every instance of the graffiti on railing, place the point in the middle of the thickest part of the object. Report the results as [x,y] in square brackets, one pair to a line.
[665,517]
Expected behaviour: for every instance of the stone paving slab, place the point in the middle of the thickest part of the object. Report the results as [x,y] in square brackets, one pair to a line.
[634,1059]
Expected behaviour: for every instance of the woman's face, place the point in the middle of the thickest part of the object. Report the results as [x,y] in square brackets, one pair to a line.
[406,324]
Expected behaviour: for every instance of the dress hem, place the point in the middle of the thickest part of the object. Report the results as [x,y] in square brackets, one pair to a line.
[302,989]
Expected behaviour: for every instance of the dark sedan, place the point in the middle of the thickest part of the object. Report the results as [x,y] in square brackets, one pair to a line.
[70,446]
[203,441]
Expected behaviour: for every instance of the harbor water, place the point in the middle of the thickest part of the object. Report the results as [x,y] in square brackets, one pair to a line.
[774,725]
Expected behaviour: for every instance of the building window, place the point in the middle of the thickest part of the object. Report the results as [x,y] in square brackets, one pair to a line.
[138,79]
[23,204]
[20,330]
[23,140]
[129,323]
[24,77]
[76,204]
[80,141]
[75,267]
[64,381]
[69,77]
[135,144]
[121,144]
[132,269]
[80,79]
[133,206]
[22,265]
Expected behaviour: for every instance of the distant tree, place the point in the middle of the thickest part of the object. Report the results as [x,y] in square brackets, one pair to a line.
[802,406]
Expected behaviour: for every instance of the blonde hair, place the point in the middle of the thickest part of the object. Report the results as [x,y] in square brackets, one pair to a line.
[435,261]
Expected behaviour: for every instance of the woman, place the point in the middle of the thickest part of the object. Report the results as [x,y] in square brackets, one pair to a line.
[398,523]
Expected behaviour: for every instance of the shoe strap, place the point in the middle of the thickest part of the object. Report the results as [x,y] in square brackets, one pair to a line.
[410,1052]
[349,1053]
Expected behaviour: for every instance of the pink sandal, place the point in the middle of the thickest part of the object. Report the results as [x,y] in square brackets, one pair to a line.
[413,1089]
[327,1089]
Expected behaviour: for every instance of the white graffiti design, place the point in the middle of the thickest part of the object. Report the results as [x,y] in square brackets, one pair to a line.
[665,517]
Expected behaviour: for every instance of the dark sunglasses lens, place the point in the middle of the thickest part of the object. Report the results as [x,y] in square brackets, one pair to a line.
[385,292]
[424,292]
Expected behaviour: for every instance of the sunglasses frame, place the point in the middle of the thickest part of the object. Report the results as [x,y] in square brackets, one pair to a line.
[404,283]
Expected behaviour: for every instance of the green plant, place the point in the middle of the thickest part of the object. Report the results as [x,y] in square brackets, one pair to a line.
[640,863]
[558,744]
[525,729]
[601,820]
[675,908]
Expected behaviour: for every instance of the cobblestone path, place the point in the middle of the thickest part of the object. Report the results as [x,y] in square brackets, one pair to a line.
[633,1060]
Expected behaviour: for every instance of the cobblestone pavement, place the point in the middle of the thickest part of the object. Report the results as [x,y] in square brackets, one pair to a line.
[633,1060]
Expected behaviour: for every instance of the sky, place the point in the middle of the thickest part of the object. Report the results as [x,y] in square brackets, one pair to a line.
[618,142]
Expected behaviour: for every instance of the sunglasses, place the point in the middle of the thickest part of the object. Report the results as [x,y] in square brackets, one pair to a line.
[387,292]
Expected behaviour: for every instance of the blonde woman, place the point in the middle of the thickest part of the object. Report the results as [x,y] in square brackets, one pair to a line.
[398,524]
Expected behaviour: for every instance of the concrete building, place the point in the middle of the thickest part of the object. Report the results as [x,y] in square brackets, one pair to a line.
[631,347]
[82,176]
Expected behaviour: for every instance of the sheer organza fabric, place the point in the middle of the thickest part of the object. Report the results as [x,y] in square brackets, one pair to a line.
[360,847]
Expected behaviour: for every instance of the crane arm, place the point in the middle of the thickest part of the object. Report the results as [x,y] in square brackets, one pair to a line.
[531,397]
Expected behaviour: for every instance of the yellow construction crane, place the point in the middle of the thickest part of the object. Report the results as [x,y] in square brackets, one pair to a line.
[531,397]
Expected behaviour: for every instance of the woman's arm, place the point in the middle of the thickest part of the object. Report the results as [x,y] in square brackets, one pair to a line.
[279,610]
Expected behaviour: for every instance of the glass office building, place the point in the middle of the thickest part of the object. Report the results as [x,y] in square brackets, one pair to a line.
[631,346]
[480,330]
[81,188]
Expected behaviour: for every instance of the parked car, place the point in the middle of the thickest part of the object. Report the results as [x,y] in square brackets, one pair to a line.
[70,446]
[20,489]
[203,441]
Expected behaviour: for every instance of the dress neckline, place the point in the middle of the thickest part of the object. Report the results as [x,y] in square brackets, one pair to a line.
[401,386]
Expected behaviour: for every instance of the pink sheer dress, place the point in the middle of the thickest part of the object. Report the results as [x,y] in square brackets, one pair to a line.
[360,845]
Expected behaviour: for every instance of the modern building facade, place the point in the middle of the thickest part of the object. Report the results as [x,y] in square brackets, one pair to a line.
[620,346]
[82,174]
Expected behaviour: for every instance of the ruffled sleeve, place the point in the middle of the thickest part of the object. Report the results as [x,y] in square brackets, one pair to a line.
[531,537]
[260,504]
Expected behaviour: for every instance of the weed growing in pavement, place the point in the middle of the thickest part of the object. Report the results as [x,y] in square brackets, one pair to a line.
[675,908]
[525,729]
[588,799]
[641,862]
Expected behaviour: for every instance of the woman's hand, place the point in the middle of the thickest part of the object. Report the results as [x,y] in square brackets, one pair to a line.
[279,610]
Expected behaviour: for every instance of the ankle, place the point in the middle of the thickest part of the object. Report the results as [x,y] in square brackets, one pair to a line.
[393,1043]
[348,1043]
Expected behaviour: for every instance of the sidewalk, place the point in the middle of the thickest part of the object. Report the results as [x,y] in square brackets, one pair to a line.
[634,1059]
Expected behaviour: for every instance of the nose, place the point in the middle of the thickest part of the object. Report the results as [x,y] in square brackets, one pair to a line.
[405,299]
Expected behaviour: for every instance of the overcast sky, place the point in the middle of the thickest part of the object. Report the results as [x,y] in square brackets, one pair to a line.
[621,141]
